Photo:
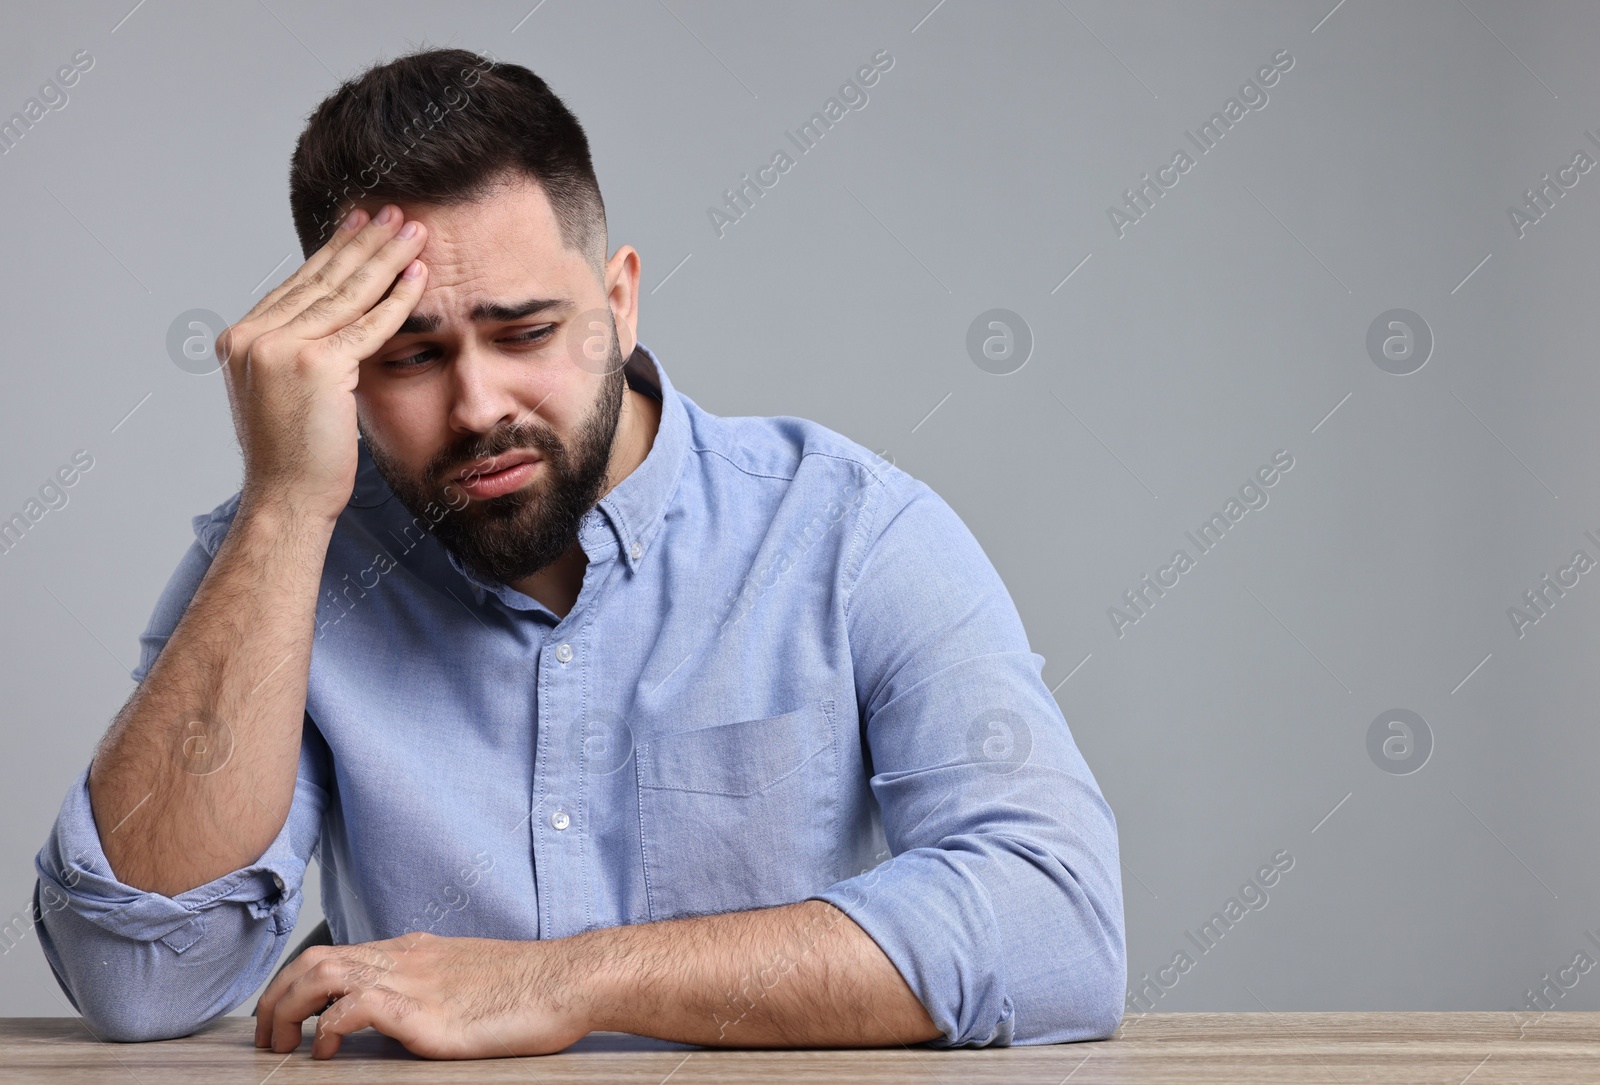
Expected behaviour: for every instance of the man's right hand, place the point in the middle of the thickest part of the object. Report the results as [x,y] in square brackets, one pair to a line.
[292,363]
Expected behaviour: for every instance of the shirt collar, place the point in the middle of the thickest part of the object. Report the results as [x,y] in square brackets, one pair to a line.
[629,517]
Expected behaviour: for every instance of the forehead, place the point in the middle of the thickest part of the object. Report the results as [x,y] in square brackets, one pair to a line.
[506,245]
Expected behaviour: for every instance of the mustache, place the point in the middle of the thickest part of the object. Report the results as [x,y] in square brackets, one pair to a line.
[509,439]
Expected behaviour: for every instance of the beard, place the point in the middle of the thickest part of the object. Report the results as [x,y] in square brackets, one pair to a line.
[514,535]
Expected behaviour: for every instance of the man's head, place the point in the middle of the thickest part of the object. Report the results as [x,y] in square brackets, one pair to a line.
[516,347]
[443,126]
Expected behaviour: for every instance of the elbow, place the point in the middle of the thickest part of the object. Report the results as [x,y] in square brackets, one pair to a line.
[114,1014]
[119,994]
[1104,981]
[1095,920]
[1103,1004]
[1082,995]
[1084,1001]
[1084,991]
[1069,999]
[116,1025]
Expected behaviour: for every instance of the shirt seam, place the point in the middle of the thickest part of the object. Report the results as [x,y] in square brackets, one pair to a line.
[861,550]
[852,460]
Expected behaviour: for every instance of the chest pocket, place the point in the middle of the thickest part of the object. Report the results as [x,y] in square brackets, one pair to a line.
[740,815]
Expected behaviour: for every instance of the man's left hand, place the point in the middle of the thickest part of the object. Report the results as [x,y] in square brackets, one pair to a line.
[443,998]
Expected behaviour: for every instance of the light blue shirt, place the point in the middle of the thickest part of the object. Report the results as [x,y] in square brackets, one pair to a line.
[791,673]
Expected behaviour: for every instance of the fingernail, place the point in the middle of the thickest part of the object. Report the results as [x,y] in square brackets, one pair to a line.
[412,270]
[409,229]
[351,220]
[385,215]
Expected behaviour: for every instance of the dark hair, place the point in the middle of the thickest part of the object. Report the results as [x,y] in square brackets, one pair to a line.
[443,126]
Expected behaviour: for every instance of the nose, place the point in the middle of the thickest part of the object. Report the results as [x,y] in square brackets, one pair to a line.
[482,395]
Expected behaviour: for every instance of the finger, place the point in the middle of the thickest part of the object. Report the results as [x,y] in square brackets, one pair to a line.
[362,288]
[307,996]
[346,233]
[367,335]
[273,309]
[280,983]
[379,1007]
[333,977]
[305,290]
[332,967]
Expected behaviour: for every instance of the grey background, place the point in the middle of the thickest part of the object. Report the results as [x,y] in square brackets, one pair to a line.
[1226,724]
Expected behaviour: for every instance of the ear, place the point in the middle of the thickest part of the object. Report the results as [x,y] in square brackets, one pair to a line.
[622,294]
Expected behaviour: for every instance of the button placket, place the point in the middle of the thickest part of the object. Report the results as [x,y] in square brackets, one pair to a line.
[558,845]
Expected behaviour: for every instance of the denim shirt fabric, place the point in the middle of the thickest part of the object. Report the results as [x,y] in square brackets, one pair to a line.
[791,673]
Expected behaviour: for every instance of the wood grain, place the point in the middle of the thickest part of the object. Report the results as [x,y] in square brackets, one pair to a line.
[1233,1048]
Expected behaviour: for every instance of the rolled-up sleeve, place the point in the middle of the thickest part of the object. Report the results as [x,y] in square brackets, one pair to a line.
[143,966]
[1001,902]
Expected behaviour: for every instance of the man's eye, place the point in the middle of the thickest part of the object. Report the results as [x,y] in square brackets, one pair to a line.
[410,362]
[421,358]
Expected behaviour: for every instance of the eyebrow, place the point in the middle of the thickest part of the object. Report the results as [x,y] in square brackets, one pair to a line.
[485,312]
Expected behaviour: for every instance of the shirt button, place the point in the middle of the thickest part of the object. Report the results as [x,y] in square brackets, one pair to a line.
[637,551]
[278,881]
[559,820]
[564,653]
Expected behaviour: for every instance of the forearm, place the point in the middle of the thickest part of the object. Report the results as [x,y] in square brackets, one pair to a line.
[802,975]
[196,775]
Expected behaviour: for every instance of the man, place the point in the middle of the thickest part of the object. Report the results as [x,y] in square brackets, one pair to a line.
[597,710]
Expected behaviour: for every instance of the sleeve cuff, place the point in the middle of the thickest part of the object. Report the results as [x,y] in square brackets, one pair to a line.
[931,917]
[73,872]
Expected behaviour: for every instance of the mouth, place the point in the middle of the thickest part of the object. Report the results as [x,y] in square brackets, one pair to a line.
[498,475]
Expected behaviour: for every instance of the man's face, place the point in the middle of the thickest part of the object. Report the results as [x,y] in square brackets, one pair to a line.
[512,353]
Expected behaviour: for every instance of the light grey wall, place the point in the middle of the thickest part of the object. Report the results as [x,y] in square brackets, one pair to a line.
[1229,723]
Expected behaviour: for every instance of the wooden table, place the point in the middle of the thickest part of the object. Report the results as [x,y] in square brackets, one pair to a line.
[1236,1048]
